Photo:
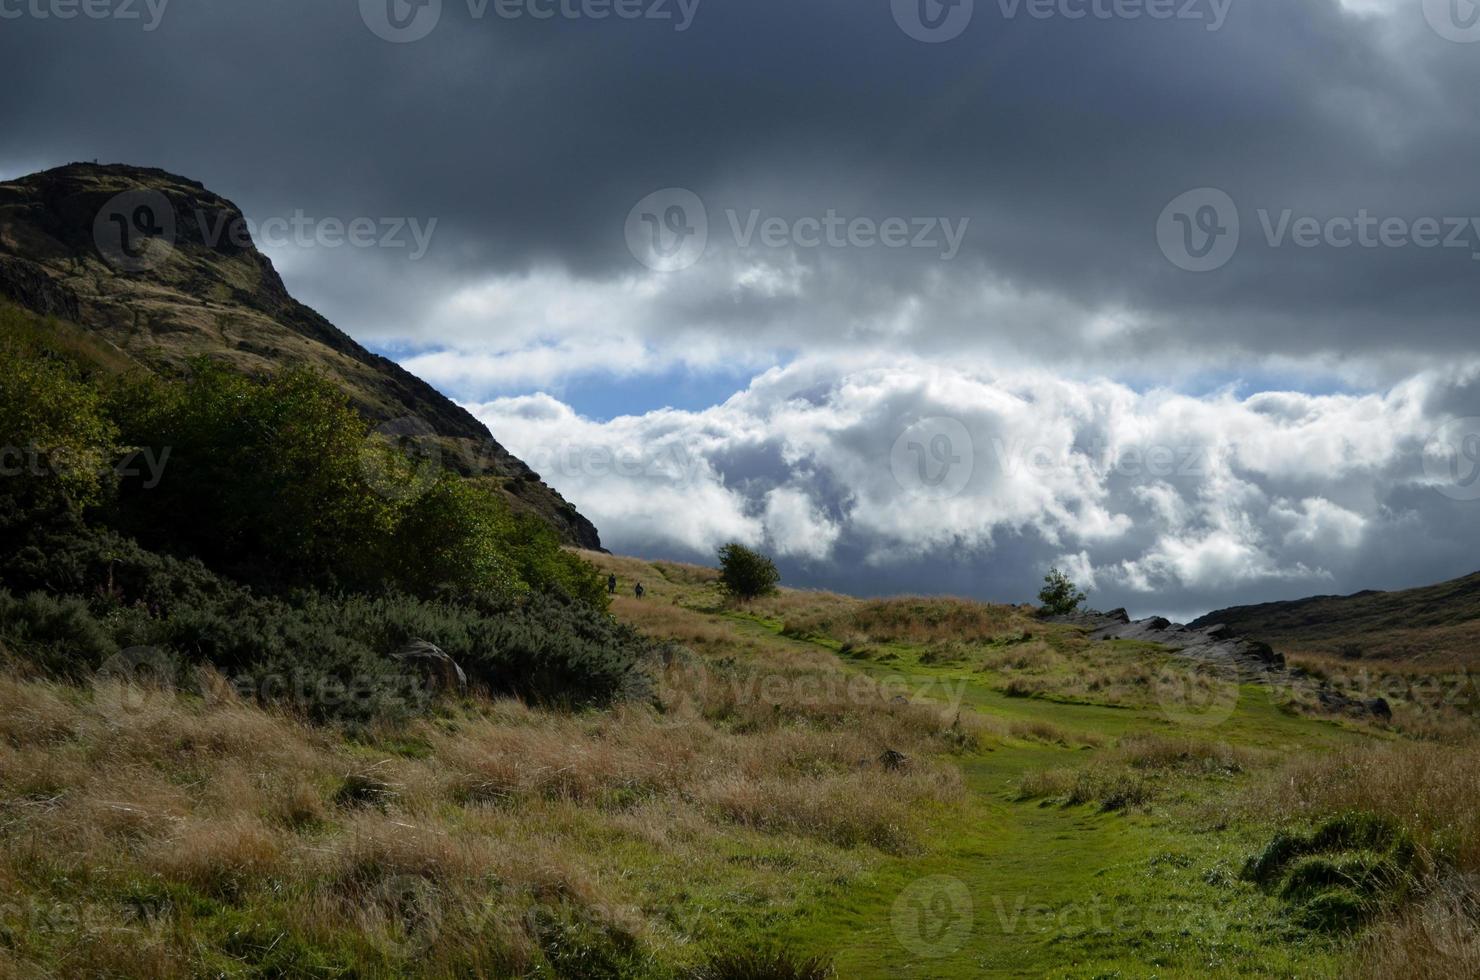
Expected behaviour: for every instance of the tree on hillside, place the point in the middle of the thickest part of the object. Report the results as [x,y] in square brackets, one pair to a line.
[1059,596]
[745,573]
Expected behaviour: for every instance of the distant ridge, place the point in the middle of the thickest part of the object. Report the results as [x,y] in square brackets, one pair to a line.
[1433,624]
[207,295]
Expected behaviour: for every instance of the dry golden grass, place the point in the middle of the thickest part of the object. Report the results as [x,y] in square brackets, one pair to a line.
[1432,793]
[500,823]
[911,620]
[1439,939]
[1134,771]
[1434,701]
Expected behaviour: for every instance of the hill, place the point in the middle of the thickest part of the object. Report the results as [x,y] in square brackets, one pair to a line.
[200,288]
[1432,625]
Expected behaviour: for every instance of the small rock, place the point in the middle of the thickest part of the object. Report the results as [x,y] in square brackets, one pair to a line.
[440,670]
[1378,707]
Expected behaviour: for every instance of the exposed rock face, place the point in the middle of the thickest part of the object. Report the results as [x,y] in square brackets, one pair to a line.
[1217,644]
[1335,701]
[1211,644]
[206,291]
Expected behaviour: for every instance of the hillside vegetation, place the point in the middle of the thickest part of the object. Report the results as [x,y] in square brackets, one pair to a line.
[208,293]
[1432,626]
[215,759]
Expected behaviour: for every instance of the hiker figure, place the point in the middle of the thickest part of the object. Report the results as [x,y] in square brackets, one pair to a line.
[639,590]
[611,585]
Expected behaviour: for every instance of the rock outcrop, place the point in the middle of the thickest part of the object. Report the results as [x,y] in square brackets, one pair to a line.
[1216,644]
[202,289]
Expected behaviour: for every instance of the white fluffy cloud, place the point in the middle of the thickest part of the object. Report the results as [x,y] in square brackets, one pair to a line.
[1140,493]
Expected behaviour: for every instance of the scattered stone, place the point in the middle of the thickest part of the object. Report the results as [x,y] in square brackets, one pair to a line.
[1334,701]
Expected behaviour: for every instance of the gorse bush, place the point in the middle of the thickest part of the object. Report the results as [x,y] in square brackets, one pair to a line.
[327,656]
[256,548]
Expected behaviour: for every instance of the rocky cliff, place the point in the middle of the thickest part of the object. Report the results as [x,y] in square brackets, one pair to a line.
[159,267]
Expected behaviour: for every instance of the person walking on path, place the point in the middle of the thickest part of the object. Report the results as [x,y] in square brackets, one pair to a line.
[639,590]
[611,585]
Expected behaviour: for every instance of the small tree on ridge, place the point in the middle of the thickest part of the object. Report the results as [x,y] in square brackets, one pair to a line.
[1059,596]
[745,573]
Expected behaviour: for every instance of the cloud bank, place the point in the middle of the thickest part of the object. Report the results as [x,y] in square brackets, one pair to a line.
[927,477]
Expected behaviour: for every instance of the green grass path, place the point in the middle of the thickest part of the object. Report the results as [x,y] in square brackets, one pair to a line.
[1020,888]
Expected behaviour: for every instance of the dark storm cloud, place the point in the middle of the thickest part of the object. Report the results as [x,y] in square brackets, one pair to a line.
[1341,138]
[1060,140]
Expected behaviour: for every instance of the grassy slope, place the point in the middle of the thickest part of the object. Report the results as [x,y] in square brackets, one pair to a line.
[1436,625]
[1054,890]
[200,835]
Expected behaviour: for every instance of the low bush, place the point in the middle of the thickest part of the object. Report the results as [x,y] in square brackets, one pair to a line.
[72,597]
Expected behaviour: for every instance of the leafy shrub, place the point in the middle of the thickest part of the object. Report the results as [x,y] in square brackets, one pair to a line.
[55,437]
[57,634]
[281,480]
[264,478]
[449,540]
[1059,596]
[745,573]
[326,655]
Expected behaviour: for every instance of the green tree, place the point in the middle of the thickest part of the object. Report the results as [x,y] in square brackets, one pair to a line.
[57,444]
[745,573]
[262,474]
[281,480]
[1059,596]
[450,541]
